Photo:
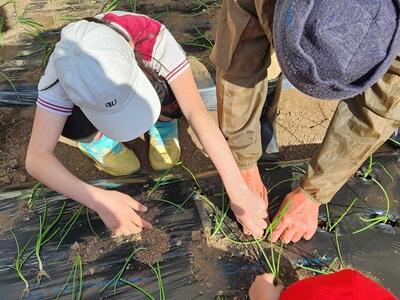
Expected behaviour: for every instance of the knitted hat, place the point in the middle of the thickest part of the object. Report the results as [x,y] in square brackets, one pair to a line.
[336,49]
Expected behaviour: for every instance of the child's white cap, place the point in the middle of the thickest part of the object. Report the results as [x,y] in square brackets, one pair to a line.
[97,68]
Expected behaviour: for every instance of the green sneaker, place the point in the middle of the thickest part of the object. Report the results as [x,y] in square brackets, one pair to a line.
[111,156]
[164,151]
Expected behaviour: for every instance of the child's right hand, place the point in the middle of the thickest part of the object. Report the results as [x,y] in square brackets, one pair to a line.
[263,288]
[119,212]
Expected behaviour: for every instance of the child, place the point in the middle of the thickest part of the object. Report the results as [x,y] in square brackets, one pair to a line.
[108,81]
[343,285]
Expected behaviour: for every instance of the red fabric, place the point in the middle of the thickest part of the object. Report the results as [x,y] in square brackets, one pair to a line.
[343,285]
[143,31]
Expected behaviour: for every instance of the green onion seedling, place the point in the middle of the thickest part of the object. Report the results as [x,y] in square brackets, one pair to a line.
[157,271]
[137,287]
[379,219]
[12,85]
[68,226]
[200,40]
[324,272]
[35,194]
[160,181]
[20,261]
[45,234]
[77,276]
[118,276]
[110,6]
[330,226]
[338,248]
[133,4]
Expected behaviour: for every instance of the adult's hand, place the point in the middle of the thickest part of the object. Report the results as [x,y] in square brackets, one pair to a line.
[119,212]
[300,219]
[263,288]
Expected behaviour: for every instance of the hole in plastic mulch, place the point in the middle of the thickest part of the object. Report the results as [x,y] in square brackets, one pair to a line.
[393,221]
[360,173]
[323,225]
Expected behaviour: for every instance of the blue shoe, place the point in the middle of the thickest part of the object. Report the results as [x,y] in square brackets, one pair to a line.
[111,156]
[164,151]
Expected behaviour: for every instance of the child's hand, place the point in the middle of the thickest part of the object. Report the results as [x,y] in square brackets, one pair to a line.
[250,206]
[118,212]
[253,180]
[263,288]
[251,211]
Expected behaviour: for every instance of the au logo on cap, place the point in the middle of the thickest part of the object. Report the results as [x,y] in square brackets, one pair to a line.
[111,103]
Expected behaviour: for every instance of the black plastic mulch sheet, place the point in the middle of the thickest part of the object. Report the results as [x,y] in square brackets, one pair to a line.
[193,268]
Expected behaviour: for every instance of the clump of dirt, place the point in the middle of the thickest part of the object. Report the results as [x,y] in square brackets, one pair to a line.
[152,213]
[6,222]
[155,240]
[208,261]
[157,243]
[204,263]
[92,249]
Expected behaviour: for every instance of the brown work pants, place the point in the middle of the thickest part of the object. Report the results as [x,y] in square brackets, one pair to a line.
[242,55]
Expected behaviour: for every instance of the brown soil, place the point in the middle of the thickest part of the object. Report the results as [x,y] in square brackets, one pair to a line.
[206,261]
[152,213]
[204,264]
[155,240]
[205,270]
[92,249]
[157,243]
[7,221]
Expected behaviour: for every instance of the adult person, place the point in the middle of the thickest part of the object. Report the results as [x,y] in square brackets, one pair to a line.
[102,79]
[329,50]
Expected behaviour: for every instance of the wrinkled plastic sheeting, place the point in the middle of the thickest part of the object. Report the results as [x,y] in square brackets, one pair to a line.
[176,267]
[374,252]
[26,96]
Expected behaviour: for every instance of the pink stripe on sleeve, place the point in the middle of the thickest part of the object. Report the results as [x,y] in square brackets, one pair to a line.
[54,107]
[179,68]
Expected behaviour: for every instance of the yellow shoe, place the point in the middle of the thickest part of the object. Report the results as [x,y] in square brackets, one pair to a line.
[164,151]
[111,156]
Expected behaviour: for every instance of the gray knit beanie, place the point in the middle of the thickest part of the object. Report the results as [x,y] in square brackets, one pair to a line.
[336,49]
